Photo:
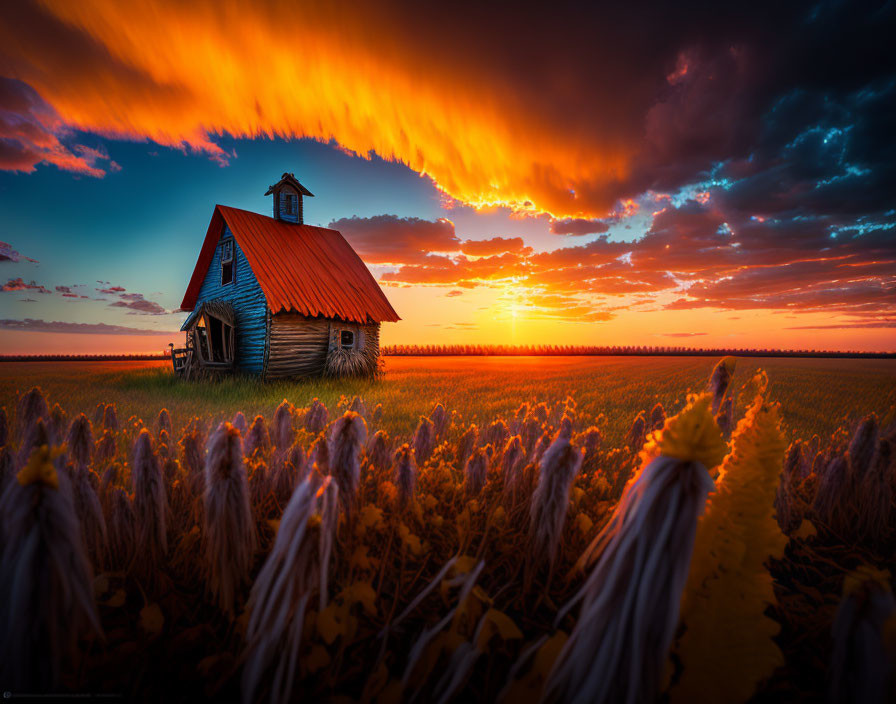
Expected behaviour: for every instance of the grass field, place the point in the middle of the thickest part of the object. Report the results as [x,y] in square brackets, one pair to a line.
[817,395]
[401,554]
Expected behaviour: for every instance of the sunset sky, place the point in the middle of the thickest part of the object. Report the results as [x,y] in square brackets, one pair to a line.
[675,175]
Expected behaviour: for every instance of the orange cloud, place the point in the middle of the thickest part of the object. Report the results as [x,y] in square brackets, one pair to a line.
[460,271]
[181,73]
[495,245]
[20,285]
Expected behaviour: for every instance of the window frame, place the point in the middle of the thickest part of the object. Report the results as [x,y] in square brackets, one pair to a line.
[342,343]
[228,258]
[290,205]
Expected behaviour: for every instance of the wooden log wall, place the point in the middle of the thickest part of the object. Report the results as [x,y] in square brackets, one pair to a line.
[298,345]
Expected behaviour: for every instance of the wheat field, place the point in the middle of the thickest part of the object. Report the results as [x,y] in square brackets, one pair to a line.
[817,395]
[609,529]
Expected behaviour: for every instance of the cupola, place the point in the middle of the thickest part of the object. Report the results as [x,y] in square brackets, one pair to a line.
[288,194]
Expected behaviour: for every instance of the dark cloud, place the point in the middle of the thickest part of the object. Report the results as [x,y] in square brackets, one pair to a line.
[874,296]
[8,254]
[32,325]
[67,292]
[799,263]
[724,257]
[821,155]
[389,239]
[32,133]
[578,226]
[136,303]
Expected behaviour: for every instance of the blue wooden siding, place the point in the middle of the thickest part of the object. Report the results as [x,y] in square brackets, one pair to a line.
[248,302]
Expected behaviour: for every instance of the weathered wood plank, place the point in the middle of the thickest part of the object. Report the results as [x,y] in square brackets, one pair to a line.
[297,345]
[248,302]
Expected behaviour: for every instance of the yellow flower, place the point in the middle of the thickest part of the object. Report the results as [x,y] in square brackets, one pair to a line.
[691,436]
[40,468]
[728,647]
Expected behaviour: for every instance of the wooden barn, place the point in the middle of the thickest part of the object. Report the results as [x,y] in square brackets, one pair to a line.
[274,297]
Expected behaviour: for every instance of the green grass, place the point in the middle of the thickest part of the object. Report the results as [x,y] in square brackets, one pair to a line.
[817,395]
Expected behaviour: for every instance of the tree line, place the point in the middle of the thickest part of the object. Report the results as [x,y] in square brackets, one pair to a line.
[609,351]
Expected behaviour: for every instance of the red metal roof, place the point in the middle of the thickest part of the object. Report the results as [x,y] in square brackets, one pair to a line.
[301,268]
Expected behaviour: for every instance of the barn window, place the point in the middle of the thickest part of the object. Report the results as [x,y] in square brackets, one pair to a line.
[347,339]
[226,262]
[290,205]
